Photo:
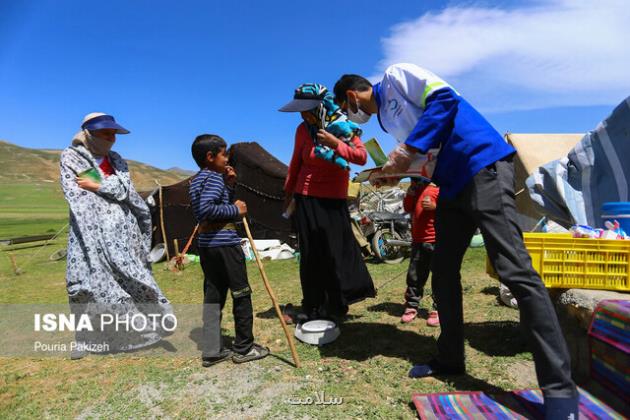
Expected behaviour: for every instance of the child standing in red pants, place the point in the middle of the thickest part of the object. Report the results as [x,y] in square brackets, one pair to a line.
[420,201]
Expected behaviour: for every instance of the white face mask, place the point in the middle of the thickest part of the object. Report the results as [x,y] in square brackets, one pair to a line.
[359,117]
[98,146]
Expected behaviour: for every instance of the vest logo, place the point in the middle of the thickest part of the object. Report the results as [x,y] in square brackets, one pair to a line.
[394,107]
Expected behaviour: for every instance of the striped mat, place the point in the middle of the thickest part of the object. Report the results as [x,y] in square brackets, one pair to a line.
[609,338]
[526,404]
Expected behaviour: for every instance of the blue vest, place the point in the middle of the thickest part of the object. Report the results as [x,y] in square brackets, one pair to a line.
[444,120]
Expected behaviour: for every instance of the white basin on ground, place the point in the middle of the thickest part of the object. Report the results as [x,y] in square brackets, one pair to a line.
[317,332]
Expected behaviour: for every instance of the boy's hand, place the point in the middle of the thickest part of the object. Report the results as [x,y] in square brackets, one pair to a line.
[88,184]
[242,207]
[230,176]
[326,139]
[428,204]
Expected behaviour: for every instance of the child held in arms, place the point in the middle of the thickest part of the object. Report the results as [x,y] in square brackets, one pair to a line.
[221,255]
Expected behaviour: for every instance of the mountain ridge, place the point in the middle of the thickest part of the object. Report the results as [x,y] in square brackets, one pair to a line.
[25,165]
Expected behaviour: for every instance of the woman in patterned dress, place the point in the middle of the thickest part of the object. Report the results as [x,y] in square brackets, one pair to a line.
[110,237]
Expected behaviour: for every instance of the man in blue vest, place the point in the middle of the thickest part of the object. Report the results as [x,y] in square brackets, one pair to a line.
[475,173]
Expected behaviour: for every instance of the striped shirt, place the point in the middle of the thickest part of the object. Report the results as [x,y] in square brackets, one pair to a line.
[211,201]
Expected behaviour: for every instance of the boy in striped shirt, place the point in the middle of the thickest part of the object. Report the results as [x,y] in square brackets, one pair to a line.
[222,258]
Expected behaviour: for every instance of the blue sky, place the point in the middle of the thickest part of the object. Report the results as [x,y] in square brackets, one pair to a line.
[170,71]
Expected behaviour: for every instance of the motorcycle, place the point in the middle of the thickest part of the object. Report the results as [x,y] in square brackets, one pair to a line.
[389,235]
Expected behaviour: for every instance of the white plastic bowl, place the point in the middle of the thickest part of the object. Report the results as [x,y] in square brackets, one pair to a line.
[157,253]
[58,254]
[317,332]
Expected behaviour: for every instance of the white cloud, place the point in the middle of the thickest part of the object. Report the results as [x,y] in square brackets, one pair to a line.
[560,53]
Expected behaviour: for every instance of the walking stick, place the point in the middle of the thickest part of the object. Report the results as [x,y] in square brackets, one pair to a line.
[296,359]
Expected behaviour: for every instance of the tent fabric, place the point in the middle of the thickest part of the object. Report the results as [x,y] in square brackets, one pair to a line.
[535,150]
[260,184]
[179,221]
[572,189]
[532,151]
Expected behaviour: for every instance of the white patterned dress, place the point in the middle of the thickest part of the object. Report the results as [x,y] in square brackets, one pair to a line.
[108,245]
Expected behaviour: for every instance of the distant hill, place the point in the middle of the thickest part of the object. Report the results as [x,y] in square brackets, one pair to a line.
[23,165]
[185,172]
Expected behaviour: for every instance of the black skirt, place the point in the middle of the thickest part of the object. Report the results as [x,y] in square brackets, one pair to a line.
[332,271]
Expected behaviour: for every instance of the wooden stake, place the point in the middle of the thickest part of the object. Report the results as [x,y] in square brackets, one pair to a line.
[16,270]
[164,238]
[176,247]
[296,359]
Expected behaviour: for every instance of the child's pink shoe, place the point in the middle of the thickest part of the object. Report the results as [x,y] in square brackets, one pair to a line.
[434,319]
[409,315]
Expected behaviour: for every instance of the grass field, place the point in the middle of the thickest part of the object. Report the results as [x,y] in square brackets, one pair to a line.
[31,209]
[366,366]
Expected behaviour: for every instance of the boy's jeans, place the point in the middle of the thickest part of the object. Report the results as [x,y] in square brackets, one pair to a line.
[224,268]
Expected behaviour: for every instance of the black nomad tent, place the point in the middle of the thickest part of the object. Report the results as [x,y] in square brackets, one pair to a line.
[260,184]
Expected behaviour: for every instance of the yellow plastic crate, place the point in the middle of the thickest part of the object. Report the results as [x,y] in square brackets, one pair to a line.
[575,263]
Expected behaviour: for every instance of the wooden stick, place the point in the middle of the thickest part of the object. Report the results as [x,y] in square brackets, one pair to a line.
[164,238]
[16,270]
[296,359]
[192,236]
[179,257]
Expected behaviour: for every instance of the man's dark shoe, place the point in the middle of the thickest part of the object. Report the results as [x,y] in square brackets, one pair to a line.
[255,353]
[224,355]
[561,408]
[435,368]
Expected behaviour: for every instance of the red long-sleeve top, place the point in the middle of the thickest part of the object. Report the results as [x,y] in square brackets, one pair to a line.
[422,220]
[106,166]
[315,177]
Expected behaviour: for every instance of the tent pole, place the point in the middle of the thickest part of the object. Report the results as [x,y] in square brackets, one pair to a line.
[296,359]
[164,238]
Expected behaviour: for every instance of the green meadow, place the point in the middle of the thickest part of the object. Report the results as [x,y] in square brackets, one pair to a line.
[366,367]
[31,209]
